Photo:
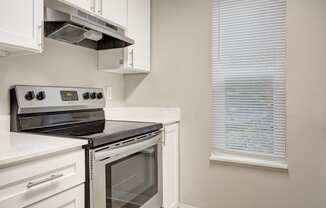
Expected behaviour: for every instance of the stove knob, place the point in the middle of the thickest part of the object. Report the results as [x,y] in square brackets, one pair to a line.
[86,95]
[99,95]
[30,95]
[93,95]
[40,95]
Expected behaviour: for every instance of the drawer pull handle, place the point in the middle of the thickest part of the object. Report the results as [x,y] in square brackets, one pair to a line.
[51,178]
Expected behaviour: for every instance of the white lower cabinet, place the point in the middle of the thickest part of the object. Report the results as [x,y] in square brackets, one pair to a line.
[73,198]
[25,184]
[171,166]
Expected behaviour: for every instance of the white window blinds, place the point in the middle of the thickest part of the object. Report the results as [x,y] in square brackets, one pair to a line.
[249,77]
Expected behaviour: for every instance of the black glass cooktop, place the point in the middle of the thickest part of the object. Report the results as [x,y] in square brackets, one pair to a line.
[102,132]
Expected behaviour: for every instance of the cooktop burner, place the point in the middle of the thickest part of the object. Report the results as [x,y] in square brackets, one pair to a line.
[100,133]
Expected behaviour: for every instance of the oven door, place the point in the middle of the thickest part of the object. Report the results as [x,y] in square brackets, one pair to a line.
[128,176]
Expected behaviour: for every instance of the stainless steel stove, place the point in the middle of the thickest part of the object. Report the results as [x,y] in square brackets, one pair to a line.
[124,159]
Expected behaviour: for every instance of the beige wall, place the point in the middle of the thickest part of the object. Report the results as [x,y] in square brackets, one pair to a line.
[60,64]
[181,77]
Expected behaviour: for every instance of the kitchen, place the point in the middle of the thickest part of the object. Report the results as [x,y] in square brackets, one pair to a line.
[178,90]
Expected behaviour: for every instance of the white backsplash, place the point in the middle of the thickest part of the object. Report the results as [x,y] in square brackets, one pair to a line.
[59,65]
[146,114]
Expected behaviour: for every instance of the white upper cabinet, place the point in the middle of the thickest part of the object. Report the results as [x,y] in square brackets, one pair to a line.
[139,29]
[21,27]
[135,58]
[88,5]
[114,10]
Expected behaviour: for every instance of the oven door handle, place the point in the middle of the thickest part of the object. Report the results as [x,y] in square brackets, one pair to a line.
[111,155]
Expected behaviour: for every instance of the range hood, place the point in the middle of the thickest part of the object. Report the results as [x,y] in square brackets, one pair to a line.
[77,27]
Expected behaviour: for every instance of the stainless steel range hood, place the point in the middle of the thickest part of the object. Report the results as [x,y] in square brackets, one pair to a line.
[70,25]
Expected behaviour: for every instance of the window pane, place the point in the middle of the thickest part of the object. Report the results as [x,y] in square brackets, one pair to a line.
[249,115]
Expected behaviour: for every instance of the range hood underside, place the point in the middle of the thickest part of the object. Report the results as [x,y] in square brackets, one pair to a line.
[107,42]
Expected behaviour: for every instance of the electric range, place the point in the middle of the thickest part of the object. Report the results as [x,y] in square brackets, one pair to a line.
[123,158]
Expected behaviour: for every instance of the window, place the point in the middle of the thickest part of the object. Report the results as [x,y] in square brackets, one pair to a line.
[249,79]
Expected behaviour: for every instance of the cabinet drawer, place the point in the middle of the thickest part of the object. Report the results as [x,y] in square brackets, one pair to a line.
[73,198]
[33,181]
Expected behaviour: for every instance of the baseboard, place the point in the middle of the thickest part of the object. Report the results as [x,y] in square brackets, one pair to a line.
[186,206]
[175,205]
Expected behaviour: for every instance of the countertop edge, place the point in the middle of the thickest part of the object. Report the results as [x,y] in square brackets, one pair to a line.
[31,157]
[17,152]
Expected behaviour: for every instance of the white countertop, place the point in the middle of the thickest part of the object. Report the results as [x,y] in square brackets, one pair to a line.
[19,147]
[145,114]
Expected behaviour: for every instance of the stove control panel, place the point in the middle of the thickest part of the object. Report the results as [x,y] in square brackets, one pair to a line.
[32,99]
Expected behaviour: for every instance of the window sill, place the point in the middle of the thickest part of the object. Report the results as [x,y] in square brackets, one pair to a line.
[243,160]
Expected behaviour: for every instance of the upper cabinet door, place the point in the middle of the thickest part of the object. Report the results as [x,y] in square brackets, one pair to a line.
[88,5]
[21,27]
[139,29]
[114,10]
[136,58]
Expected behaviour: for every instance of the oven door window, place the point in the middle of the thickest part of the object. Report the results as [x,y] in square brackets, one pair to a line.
[132,181]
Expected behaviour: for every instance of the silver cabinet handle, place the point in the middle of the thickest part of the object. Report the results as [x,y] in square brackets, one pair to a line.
[51,178]
[93,5]
[132,57]
[100,9]
[41,30]
[113,154]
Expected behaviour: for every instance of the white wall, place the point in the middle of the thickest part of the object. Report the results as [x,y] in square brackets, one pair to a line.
[60,65]
[181,73]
